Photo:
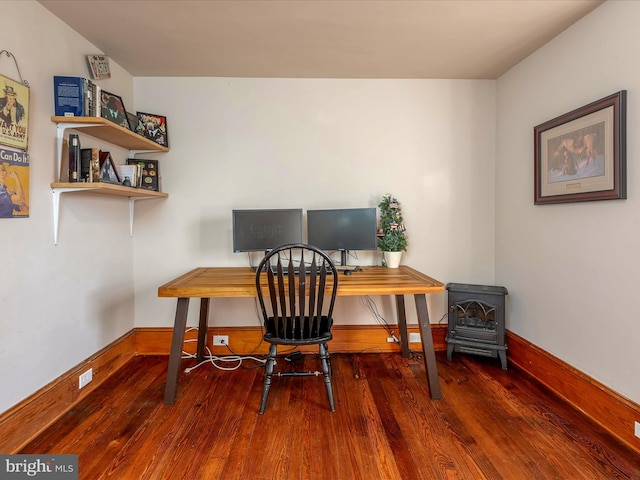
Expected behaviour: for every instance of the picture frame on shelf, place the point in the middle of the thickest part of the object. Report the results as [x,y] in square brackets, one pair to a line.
[153,127]
[581,155]
[112,108]
[133,121]
[108,172]
[150,178]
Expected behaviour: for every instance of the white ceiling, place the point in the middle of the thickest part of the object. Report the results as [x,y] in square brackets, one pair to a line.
[475,39]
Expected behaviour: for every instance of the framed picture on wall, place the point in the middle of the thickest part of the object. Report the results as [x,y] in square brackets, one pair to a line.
[581,155]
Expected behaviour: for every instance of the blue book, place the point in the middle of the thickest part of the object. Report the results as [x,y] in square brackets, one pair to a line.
[70,95]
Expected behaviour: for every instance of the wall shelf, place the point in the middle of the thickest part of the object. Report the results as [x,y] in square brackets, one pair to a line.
[107,131]
[102,129]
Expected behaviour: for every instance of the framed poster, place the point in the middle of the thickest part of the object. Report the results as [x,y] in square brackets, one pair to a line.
[14,113]
[14,184]
[581,155]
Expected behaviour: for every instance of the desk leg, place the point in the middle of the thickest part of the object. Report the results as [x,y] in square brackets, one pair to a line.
[202,328]
[427,346]
[175,357]
[402,326]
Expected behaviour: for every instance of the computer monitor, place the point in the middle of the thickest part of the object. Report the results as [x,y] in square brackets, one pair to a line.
[265,229]
[343,229]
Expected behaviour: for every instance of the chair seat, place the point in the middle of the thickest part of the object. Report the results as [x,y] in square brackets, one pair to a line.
[294,334]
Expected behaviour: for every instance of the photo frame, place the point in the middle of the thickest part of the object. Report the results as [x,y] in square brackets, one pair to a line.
[153,127]
[14,113]
[112,108]
[99,66]
[133,121]
[150,174]
[581,155]
[108,172]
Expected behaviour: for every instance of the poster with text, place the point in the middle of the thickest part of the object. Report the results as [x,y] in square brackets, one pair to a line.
[14,184]
[14,113]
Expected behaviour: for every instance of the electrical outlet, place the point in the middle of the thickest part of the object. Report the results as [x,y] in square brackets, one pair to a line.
[220,340]
[414,338]
[85,378]
[636,426]
[390,340]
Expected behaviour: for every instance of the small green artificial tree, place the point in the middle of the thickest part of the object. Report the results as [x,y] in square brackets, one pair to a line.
[391,232]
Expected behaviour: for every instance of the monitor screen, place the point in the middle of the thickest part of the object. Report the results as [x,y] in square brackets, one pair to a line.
[264,229]
[342,229]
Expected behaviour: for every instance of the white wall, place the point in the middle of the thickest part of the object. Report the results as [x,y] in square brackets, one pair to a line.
[58,304]
[572,270]
[308,143]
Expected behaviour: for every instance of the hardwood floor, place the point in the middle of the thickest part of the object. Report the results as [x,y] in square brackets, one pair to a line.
[490,424]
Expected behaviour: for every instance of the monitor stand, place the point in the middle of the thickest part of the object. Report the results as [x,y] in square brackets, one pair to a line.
[343,257]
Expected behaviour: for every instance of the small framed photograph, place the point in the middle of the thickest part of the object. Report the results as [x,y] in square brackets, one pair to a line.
[112,108]
[153,127]
[581,155]
[108,173]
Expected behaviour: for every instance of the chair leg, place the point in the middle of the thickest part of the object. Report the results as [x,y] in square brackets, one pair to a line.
[268,371]
[326,369]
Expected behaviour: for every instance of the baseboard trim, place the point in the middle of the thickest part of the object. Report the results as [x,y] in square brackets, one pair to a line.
[602,405]
[248,340]
[24,421]
[27,419]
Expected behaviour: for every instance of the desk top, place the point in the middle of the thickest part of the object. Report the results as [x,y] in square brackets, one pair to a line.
[233,282]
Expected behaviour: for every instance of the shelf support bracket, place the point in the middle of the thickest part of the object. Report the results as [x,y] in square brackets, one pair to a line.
[132,202]
[57,192]
[133,153]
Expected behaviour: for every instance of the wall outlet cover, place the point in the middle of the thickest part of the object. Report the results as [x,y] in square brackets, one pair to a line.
[220,340]
[85,378]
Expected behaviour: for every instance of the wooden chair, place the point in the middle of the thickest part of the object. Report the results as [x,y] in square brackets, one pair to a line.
[297,287]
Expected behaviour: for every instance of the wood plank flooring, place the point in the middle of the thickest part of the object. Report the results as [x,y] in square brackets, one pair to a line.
[490,424]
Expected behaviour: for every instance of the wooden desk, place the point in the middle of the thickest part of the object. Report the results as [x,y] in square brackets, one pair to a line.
[237,282]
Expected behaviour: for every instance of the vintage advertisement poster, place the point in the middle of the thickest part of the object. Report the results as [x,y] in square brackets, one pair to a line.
[14,113]
[14,184]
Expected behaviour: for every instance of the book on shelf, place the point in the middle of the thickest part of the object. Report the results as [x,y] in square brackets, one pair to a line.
[149,177]
[90,165]
[76,97]
[74,158]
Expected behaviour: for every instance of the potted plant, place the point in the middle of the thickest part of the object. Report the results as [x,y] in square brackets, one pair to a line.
[392,237]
